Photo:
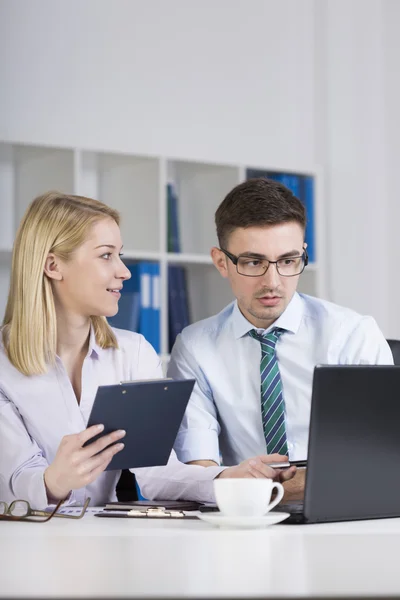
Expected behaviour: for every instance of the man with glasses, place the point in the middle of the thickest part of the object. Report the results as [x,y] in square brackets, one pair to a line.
[254,361]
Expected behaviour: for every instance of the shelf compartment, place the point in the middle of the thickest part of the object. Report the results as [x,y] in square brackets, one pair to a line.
[27,172]
[200,188]
[131,185]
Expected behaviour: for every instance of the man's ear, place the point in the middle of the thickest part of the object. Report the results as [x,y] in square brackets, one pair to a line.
[52,268]
[305,254]
[219,259]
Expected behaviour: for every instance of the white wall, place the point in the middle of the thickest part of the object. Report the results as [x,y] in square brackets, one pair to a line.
[392,160]
[288,83]
[357,210]
[210,79]
[359,127]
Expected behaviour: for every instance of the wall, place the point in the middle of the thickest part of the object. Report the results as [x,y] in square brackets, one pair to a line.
[216,80]
[257,81]
[359,128]
[392,145]
[355,154]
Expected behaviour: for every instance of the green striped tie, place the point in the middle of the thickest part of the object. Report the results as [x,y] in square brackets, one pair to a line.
[272,402]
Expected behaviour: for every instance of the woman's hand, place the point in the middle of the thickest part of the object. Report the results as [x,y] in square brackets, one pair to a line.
[75,466]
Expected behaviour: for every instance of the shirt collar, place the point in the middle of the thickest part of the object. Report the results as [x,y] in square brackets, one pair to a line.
[289,320]
[94,348]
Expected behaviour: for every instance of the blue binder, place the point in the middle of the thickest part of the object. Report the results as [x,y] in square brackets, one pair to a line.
[173,219]
[178,306]
[292,182]
[155,306]
[302,186]
[145,328]
[127,316]
[310,208]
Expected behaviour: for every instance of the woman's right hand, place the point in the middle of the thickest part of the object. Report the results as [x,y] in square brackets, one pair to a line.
[75,466]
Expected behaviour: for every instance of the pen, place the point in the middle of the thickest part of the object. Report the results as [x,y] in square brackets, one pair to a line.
[285,465]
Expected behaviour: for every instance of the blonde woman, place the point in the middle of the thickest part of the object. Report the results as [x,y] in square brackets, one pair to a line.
[57,348]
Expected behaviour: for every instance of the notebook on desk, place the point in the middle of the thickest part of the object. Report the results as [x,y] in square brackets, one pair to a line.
[353,469]
[167,504]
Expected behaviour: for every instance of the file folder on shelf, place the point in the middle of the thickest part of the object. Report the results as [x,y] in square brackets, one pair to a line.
[155,307]
[178,306]
[127,316]
[302,186]
[173,219]
[139,305]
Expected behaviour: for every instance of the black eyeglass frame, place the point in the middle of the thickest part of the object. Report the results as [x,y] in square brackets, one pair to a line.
[235,260]
[43,514]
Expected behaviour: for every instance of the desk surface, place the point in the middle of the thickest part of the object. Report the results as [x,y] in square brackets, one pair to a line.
[122,557]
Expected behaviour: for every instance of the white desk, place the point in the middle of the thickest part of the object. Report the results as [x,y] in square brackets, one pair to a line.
[121,557]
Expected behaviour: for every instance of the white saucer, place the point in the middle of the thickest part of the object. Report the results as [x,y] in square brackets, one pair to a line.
[220,520]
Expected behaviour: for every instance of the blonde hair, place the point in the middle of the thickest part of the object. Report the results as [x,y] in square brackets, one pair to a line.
[53,223]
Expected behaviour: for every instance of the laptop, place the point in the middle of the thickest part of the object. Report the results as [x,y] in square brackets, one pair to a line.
[353,468]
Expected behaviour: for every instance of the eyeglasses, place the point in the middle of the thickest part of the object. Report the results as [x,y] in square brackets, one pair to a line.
[20,510]
[254,266]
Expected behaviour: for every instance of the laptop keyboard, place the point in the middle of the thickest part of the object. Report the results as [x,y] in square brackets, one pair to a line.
[295,507]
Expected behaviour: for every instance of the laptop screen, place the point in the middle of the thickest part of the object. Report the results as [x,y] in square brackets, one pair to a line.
[354,443]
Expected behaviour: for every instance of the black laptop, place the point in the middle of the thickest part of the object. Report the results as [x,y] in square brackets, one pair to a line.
[353,469]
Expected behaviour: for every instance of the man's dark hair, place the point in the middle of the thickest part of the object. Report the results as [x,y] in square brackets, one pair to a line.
[257,202]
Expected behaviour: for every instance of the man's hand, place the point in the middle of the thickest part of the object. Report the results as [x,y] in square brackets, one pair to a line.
[74,466]
[258,467]
[294,489]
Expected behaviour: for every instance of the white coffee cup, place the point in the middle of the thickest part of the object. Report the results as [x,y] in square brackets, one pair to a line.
[246,497]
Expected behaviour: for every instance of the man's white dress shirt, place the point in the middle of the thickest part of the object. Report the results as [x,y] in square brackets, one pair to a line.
[223,418]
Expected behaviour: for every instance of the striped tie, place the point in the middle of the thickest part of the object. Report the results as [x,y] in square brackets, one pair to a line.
[272,402]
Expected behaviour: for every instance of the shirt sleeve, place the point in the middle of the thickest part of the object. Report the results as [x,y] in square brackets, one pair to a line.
[177,481]
[22,464]
[149,363]
[197,438]
[366,345]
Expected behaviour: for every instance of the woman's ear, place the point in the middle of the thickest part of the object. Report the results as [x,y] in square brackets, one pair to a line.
[52,268]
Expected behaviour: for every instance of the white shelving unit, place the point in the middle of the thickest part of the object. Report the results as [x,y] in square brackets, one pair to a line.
[136,186]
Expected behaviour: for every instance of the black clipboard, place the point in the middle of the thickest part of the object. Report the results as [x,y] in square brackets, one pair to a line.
[172,515]
[149,411]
